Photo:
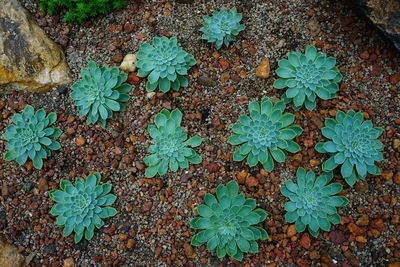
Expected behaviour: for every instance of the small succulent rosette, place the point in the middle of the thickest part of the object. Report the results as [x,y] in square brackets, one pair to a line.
[312,202]
[81,207]
[100,92]
[228,223]
[165,64]
[30,136]
[171,149]
[307,76]
[222,27]
[266,135]
[354,146]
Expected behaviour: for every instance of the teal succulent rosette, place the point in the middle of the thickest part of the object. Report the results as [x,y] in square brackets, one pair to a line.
[313,202]
[222,27]
[265,135]
[171,149]
[353,146]
[81,207]
[165,64]
[307,76]
[31,137]
[228,223]
[100,92]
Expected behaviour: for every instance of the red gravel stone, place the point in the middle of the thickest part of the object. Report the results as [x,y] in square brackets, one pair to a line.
[337,237]
[395,78]
[305,240]
[212,167]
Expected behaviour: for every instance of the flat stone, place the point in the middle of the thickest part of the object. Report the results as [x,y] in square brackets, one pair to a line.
[28,58]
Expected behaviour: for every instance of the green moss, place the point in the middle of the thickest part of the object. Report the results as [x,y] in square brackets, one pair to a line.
[81,10]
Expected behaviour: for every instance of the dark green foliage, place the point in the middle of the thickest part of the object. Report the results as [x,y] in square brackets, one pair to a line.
[81,10]
[227,223]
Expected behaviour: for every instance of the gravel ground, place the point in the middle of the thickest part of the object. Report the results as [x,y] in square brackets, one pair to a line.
[151,228]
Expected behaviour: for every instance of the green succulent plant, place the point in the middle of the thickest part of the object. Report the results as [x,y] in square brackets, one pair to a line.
[170,148]
[228,223]
[313,202]
[31,137]
[100,92]
[265,135]
[222,27]
[354,146]
[164,63]
[81,207]
[307,76]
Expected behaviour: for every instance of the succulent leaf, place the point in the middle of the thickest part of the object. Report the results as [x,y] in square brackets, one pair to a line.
[307,76]
[354,146]
[82,206]
[312,201]
[30,137]
[227,223]
[164,63]
[171,149]
[100,92]
[265,135]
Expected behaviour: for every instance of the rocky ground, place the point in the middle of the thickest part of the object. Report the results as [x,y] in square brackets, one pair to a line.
[151,227]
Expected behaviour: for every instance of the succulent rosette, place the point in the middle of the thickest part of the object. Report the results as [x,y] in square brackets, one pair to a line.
[171,149]
[164,63]
[222,27]
[81,207]
[353,146]
[266,135]
[100,92]
[31,137]
[307,76]
[313,202]
[228,223]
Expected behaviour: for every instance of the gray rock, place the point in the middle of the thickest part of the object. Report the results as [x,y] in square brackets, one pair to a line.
[385,15]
